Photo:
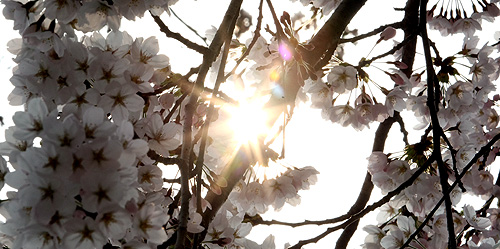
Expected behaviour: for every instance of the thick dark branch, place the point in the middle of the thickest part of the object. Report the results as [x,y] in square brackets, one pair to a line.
[328,37]
[410,28]
[437,131]
[366,189]
[163,28]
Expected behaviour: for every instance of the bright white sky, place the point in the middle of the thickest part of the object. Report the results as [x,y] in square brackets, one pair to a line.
[338,153]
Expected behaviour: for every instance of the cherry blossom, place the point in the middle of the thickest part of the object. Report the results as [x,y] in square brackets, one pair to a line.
[395,100]
[83,234]
[343,78]
[30,123]
[145,51]
[477,222]
[148,222]
[163,137]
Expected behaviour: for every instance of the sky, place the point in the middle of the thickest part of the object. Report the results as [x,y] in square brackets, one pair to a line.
[338,153]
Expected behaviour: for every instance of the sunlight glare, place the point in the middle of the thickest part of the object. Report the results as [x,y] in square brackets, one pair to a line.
[248,121]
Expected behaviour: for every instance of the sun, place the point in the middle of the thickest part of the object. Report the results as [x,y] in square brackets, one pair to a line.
[248,121]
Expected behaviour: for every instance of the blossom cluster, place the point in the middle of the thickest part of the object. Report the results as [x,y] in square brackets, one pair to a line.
[86,16]
[79,150]
[254,198]
[84,152]
[419,199]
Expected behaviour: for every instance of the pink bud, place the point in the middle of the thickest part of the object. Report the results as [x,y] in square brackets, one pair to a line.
[387,34]
[489,103]
[79,214]
[396,78]
[223,241]
[131,206]
[201,110]
[167,100]
[492,10]
[400,65]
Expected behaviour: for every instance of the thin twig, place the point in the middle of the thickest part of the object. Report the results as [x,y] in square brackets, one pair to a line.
[257,220]
[252,43]
[369,208]
[174,108]
[189,27]
[220,96]
[279,31]
[403,130]
[163,28]
[469,165]
[395,25]
[392,51]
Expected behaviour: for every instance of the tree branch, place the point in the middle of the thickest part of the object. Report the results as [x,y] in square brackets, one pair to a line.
[395,25]
[257,220]
[225,28]
[164,29]
[437,131]
[382,131]
[403,130]
[210,113]
[366,189]
[326,40]
[279,31]
[189,27]
[390,52]
[369,208]
[485,149]
[252,43]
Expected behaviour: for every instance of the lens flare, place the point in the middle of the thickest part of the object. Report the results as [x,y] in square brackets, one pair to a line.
[274,76]
[285,52]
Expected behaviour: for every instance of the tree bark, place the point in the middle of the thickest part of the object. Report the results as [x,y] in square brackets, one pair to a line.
[410,26]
